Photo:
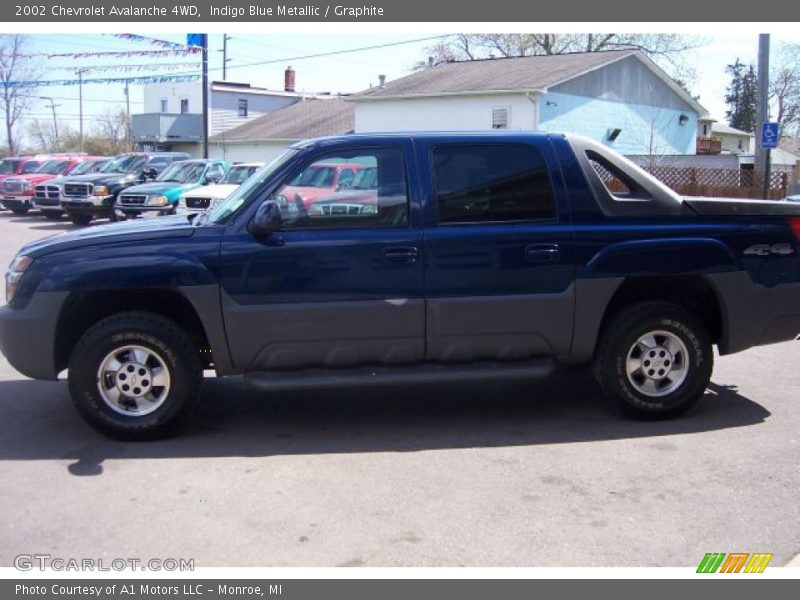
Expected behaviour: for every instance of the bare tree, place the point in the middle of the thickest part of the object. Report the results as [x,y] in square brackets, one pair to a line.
[113,127]
[14,98]
[785,88]
[43,135]
[667,49]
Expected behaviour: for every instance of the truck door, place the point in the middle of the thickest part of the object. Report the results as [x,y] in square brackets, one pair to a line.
[499,256]
[341,283]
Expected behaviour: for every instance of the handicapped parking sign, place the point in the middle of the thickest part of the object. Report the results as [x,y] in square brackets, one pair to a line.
[769,136]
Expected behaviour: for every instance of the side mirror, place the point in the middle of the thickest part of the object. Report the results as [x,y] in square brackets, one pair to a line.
[267,219]
[149,174]
[212,179]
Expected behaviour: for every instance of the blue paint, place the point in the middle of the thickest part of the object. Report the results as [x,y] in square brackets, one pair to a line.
[593,117]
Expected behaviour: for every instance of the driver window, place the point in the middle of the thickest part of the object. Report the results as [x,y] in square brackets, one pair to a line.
[352,188]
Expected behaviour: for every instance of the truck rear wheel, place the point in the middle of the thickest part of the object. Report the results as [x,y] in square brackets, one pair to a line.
[135,375]
[655,359]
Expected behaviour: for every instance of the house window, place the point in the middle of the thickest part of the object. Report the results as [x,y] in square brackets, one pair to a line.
[163,105]
[741,145]
[242,107]
[500,118]
[705,130]
[184,106]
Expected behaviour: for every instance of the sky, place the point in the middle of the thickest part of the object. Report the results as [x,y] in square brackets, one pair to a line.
[343,73]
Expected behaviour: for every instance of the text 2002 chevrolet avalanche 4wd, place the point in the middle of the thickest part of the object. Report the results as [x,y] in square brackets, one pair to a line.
[484,255]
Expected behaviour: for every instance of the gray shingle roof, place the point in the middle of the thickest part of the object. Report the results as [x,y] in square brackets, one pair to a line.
[524,73]
[305,119]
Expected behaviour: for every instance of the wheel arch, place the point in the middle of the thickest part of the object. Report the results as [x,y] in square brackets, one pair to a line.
[187,309]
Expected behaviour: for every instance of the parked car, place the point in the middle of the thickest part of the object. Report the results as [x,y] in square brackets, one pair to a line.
[490,256]
[47,197]
[162,195]
[205,197]
[18,191]
[318,180]
[19,165]
[93,195]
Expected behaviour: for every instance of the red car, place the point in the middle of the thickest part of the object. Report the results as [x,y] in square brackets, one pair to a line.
[18,191]
[20,165]
[318,180]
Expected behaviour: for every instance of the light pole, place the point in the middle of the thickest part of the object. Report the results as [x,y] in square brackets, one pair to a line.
[53,107]
[225,59]
[80,73]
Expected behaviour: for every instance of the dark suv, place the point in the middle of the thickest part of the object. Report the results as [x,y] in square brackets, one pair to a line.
[87,196]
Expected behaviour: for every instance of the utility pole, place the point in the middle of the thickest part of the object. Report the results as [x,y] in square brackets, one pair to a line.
[53,107]
[127,116]
[225,59]
[80,73]
[762,157]
[205,94]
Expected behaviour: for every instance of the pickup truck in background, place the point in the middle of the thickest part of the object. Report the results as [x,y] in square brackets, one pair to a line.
[47,197]
[161,196]
[18,192]
[488,255]
[85,197]
[207,196]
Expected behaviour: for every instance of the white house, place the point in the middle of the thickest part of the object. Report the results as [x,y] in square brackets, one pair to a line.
[620,98]
[172,113]
[265,137]
[734,141]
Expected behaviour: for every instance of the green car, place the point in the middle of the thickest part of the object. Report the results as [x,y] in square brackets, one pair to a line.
[161,196]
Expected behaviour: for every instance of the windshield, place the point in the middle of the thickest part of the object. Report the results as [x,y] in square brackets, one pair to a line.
[234,202]
[87,166]
[125,164]
[365,179]
[237,175]
[31,166]
[53,167]
[8,167]
[183,172]
[315,176]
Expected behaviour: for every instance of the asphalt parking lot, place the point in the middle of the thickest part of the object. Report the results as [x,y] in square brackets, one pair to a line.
[519,474]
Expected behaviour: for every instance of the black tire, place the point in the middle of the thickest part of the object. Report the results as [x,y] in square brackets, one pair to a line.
[20,210]
[80,218]
[676,394]
[156,334]
[52,215]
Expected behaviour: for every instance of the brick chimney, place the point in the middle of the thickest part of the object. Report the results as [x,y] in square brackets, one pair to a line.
[288,79]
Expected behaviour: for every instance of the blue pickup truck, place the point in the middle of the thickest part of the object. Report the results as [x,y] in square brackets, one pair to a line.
[477,255]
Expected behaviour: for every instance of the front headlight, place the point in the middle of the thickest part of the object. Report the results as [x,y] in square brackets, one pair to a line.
[27,186]
[100,190]
[157,200]
[14,273]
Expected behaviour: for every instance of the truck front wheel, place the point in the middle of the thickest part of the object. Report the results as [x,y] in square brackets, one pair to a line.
[80,218]
[655,359]
[134,375]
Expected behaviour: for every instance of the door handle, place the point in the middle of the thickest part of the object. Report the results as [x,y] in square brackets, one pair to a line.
[541,252]
[400,254]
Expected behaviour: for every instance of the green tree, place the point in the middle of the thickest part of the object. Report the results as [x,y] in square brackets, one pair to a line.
[741,96]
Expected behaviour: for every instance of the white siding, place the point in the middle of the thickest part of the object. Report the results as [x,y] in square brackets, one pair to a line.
[225,107]
[173,92]
[250,152]
[448,113]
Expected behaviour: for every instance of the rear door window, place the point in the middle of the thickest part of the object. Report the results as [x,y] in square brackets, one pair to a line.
[476,183]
